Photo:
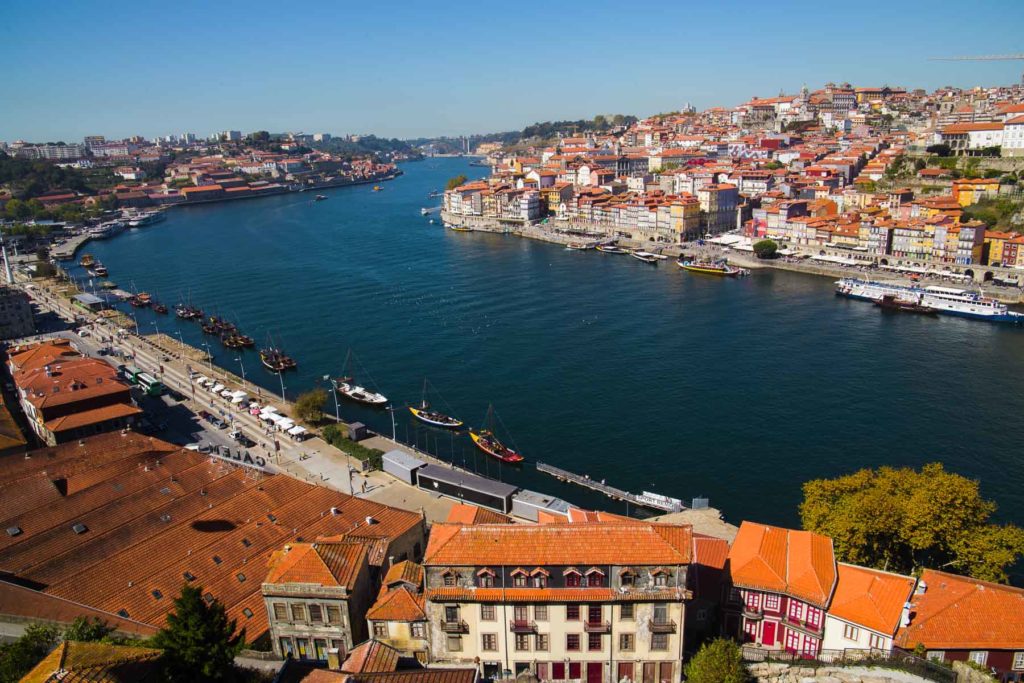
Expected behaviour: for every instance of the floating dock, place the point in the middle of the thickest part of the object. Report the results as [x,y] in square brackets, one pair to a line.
[646,499]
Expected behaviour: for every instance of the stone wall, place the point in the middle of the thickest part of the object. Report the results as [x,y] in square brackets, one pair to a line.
[767,672]
[966,674]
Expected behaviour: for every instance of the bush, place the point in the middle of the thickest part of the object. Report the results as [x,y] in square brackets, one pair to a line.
[719,661]
[942,150]
[309,406]
[19,657]
[334,435]
[766,249]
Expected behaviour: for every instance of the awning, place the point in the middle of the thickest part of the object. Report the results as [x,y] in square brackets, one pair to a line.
[285,424]
[267,410]
[296,430]
[200,379]
[217,388]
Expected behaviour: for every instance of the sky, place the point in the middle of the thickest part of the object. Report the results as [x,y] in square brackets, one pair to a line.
[73,68]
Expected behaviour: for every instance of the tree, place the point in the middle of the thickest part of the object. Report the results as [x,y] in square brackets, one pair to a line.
[765,249]
[943,150]
[83,630]
[199,642]
[310,405]
[719,661]
[903,520]
[455,182]
[18,658]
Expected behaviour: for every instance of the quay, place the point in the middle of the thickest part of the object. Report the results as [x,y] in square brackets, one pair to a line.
[66,251]
[646,499]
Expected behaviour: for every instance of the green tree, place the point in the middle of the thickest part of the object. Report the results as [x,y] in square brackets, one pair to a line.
[719,661]
[84,629]
[902,520]
[309,406]
[943,150]
[18,658]
[766,249]
[600,122]
[455,182]
[199,642]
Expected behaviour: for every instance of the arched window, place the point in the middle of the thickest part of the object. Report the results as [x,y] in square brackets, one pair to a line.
[519,578]
[595,577]
[573,578]
[485,578]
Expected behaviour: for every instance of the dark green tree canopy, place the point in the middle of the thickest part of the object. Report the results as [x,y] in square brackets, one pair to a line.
[719,661]
[199,641]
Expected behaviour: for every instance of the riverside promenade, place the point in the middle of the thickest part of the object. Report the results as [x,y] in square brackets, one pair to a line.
[549,232]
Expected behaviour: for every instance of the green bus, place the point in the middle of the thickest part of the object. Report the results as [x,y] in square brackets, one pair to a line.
[150,385]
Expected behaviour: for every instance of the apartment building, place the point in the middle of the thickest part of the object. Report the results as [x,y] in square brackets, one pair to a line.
[15,314]
[588,601]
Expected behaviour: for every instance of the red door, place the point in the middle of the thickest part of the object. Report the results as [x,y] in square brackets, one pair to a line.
[594,670]
[768,633]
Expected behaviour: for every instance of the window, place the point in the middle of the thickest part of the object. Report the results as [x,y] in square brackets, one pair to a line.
[454,643]
[286,646]
[486,612]
[659,641]
[772,602]
[542,642]
[702,615]
[298,612]
[936,655]
[540,612]
[451,613]
[876,642]
[540,581]
[241,577]
[302,645]
[520,613]
[626,611]
[486,581]
[572,612]
[380,629]
[336,645]
[1018,660]
[572,642]
[661,579]
[280,611]
[320,646]
[626,642]
[489,642]
[572,579]
[851,632]
[978,656]
[316,613]
[450,578]
[247,612]
[216,559]
[595,578]
[594,642]
[522,642]
[519,580]
[419,629]
[333,614]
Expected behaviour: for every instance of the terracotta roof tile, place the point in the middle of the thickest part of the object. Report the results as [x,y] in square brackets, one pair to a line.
[798,563]
[398,604]
[956,612]
[871,598]
[73,662]
[371,656]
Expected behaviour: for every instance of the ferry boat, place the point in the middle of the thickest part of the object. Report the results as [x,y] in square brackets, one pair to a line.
[645,256]
[712,268]
[489,444]
[137,220]
[347,387]
[611,249]
[433,417]
[944,300]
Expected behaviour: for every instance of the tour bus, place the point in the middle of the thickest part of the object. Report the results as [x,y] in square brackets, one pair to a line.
[150,385]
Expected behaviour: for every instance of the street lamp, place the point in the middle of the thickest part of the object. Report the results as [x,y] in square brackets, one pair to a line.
[209,355]
[182,343]
[242,365]
[392,411]
[334,390]
[156,327]
[281,377]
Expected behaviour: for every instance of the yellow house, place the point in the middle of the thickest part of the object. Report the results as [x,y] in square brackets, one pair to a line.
[994,242]
[685,217]
[972,191]
[398,618]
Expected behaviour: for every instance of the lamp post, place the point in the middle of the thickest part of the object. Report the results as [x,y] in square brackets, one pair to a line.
[334,390]
[242,366]
[281,377]
[209,355]
[392,411]
[156,327]
[182,340]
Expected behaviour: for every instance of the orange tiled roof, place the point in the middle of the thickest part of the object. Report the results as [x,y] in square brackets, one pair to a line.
[512,544]
[797,563]
[73,661]
[471,514]
[956,612]
[398,604]
[326,564]
[371,656]
[871,598]
[90,417]
[405,571]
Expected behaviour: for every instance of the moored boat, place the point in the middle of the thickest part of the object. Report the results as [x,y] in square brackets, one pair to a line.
[892,302]
[320,198]
[645,256]
[347,387]
[579,246]
[459,228]
[86,261]
[100,269]
[944,300]
[276,360]
[712,268]
[433,417]
[611,249]
[159,308]
[489,444]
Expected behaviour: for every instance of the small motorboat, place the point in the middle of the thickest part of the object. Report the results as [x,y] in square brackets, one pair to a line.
[100,269]
[424,211]
[377,188]
[432,417]
[320,198]
[459,228]
[347,387]
[611,249]
[712,268]
[579,246]
[489,444]
[645,256]
[107,284]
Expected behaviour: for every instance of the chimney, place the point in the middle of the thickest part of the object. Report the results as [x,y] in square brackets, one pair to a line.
[921,588]
[391,561]
[335,511]
[905,615]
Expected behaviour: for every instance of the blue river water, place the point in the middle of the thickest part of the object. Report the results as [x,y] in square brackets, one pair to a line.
[649,377]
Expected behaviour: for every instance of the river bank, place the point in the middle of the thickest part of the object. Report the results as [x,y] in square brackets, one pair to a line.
[545,233]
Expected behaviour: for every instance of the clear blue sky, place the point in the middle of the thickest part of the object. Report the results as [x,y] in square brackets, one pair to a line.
[78,67]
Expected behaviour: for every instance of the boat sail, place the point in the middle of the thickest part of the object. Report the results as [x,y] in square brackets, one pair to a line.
[486,441]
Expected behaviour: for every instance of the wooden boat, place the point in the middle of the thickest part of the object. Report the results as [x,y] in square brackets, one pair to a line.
[579,246]
[107,284]
[159,308]
[611,249]
[234,340]
[377,188]
[490,445]
[891,302]
[347,387]
[432,417]
[645,256]
[276,360]
[486,441]
[712,268]
[435,418]
[86,261]
[459,228]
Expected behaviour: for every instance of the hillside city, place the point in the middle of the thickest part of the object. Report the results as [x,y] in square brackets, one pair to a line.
[137,482]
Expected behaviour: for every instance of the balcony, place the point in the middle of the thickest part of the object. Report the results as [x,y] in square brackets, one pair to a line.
[803,625]
[597,626]
[456,626]
[662,626]
[522,626]
[753,614]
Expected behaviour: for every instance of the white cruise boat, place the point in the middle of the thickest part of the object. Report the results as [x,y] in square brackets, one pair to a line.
[944,300]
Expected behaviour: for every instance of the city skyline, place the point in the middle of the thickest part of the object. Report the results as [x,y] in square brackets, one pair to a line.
[341,71]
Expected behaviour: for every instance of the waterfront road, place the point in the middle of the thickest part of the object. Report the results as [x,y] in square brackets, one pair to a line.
[174,416]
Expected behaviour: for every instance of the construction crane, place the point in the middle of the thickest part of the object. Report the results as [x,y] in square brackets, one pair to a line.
[982,58]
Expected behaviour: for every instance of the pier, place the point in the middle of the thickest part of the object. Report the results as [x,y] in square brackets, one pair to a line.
[647,499]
